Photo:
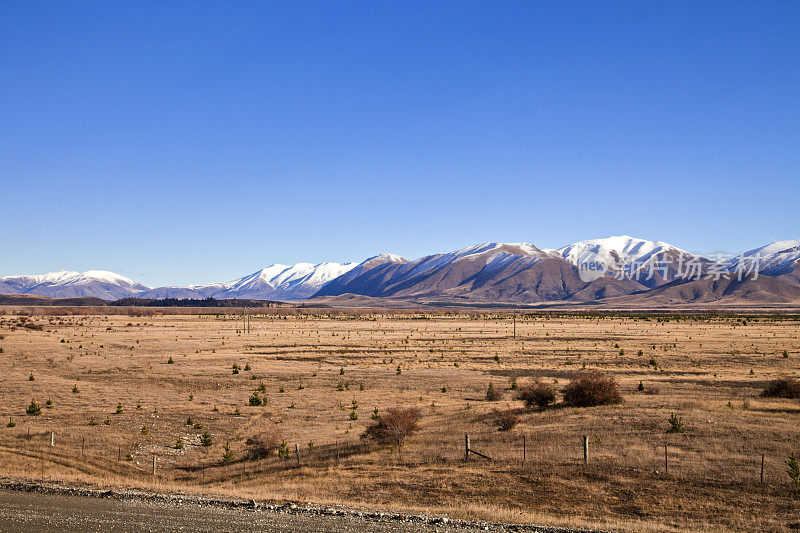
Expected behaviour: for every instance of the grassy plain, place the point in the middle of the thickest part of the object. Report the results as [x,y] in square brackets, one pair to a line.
[317,369]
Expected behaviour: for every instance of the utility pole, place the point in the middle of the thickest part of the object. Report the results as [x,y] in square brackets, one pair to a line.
[515,323]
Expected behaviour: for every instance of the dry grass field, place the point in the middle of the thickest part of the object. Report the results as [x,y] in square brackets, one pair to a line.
[123,387]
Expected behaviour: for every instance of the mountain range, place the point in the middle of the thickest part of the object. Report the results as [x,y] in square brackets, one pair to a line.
[614,269]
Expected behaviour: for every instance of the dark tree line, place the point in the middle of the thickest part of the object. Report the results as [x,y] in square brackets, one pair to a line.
[188,302]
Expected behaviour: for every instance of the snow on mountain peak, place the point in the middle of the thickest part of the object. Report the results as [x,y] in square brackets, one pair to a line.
[777,247]
[303,280]
[278,281]
[108,277]
[616,250]
[773,257]
[385,256]
[68,284]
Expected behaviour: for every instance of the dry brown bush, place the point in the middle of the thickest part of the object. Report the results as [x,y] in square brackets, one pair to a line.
[783,387]
[506,420]
[393,427]
[493,394]
[539,395]
[263,443]
[592,388]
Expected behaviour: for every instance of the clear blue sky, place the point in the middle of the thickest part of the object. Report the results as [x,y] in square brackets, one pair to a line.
[195,142]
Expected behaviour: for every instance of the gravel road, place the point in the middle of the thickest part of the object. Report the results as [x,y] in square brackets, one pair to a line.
[32,511]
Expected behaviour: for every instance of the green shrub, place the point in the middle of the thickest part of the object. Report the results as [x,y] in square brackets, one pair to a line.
[205,439]
[493,394]
[793,470]
[675,424]
[33,409]
[283,451]
[227,455]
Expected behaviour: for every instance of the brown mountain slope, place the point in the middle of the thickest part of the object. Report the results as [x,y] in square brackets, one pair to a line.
[762,289]
[30,299]
[497,274]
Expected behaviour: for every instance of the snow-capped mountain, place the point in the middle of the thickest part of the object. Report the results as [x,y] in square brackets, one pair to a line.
[488,272]
[651,263]
[191,292]
[66,284]
[275,282]
[776,255]
[284,282]
[779,259]
[612,251]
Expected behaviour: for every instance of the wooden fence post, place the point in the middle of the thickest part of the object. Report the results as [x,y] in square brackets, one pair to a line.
[83,446]
[154,464]
[337,451]
[762,469]
[585,450]
[119,452]
[524,450]
[297,452]
[466,447]
[52,438]
[666,460]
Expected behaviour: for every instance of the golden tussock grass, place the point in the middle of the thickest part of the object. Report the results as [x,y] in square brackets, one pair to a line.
[709,371]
